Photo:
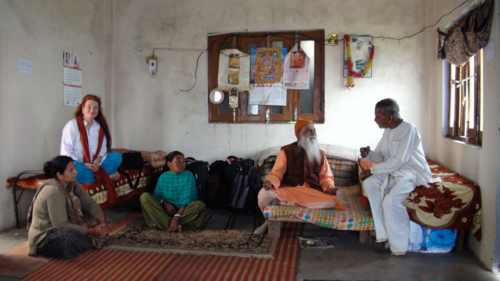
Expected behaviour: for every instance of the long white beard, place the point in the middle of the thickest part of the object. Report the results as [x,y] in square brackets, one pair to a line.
[310,145]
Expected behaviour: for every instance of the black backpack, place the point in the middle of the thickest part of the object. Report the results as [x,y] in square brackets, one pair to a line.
[240,184]
[244,191]
[200,171]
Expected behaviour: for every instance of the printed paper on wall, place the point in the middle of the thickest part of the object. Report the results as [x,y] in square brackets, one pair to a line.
[234,70]
[296,69]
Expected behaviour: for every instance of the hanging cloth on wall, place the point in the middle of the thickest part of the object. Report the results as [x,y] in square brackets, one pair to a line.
[350,72]
[469,37]
[234,70]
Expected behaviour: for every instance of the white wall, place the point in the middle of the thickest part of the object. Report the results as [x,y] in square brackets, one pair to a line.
[148,115]
[479,165]
[32,114]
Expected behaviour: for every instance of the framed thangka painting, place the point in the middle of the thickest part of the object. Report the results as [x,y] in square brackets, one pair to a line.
[358,54]
[268,65]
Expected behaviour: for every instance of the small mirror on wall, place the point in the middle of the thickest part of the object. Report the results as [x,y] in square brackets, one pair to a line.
[216,96]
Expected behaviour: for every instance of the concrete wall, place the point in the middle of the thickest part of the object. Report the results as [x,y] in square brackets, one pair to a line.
[479,165]
[148,114]
[32,114]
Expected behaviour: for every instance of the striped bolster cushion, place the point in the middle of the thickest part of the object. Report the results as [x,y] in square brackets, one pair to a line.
[345,172]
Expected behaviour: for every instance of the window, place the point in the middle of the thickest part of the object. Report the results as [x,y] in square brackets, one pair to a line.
[465,101]
[307,104]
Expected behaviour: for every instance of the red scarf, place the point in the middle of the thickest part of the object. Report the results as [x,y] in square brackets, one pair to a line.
[101,174]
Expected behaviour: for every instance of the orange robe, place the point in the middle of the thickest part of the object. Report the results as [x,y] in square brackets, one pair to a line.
[299,195]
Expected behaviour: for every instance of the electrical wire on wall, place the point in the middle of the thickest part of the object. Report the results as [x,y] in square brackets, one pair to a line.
[279,34]
[410,36]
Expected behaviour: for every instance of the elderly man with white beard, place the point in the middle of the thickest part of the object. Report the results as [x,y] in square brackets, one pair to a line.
[301,175]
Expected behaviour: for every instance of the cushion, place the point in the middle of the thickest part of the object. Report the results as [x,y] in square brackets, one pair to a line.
[156,159]
[153,160]
[266,167]
[345,172]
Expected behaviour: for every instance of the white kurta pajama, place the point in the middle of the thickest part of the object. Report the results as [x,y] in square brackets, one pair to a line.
[402,167]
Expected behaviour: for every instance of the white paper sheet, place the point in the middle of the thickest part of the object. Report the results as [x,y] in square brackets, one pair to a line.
[72,95]
[267,94]
[26,66]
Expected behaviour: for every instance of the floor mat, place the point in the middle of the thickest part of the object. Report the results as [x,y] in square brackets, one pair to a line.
[282,267]
[16,262]
[128,265]
[201,242]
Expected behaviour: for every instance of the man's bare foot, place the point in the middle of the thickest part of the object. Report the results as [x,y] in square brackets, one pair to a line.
[261,229]
[115,176]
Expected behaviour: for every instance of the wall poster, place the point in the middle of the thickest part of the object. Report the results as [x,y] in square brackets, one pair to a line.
[268,65]
[268,93]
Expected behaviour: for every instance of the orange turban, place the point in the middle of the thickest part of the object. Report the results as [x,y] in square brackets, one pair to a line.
[301,123]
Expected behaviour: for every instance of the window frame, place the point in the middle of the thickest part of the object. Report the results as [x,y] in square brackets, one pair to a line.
[241,41]
[458,103]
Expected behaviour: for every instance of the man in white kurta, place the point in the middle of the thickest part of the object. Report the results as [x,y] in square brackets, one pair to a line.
[402,166]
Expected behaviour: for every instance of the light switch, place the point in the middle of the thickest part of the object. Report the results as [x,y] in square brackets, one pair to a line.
[152,66]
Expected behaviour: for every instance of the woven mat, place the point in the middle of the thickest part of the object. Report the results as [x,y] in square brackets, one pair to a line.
[16,262]
[240,243]
[127,265]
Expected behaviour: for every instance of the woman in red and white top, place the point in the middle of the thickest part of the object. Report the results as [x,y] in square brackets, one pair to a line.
[87,140]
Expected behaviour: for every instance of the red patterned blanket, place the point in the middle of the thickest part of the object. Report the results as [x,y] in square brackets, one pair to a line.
[452,202]
[97,190]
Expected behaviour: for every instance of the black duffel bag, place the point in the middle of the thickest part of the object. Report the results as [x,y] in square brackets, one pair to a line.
[131,161]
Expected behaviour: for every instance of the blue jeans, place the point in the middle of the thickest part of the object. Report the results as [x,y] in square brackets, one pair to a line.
[110,165]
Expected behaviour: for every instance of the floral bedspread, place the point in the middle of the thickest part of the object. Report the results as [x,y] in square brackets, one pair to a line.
[453,202]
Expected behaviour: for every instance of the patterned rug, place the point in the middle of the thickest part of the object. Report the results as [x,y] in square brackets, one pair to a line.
[128,265]
[229,242]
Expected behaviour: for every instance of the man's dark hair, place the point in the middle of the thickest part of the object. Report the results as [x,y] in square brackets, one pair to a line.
[389,107]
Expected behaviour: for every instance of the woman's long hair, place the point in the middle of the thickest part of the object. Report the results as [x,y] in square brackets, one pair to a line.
[57,165]
[100,117]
